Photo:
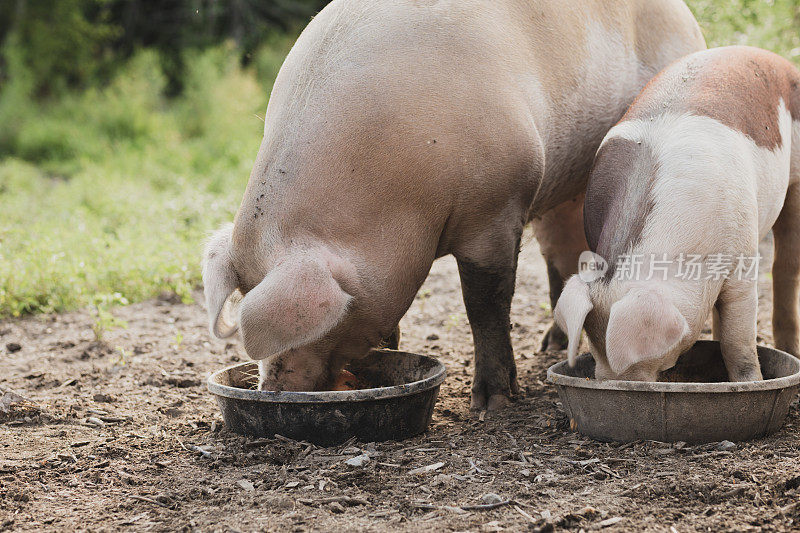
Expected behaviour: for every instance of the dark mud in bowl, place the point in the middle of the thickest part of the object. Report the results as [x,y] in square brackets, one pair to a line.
[400,404]
[693,402]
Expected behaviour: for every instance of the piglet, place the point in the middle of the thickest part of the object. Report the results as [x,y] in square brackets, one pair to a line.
[703,164]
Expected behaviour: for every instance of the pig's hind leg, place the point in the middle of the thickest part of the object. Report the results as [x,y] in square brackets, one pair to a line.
[786,275]
[561,239]
[738,308]
[487,283]
[554,339]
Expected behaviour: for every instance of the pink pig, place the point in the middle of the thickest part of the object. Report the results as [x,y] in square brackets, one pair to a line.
[704,163]
[401,131]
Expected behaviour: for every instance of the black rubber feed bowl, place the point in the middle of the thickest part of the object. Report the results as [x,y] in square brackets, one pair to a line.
[693,401]
[399,406]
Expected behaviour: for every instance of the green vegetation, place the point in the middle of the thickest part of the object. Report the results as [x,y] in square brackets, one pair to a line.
[770,24]
[112,190]
[104,321]
[110,177]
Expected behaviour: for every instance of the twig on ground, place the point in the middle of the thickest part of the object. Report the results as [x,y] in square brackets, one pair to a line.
[486,506]
[150,500]
[193,448]
[347,500]
[257,443]
[526,515]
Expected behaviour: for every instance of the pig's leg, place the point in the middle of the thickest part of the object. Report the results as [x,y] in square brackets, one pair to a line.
[554,339]
[715,323]
[488,286]
[561,240]
[392,342]
[738,307]
[786,275]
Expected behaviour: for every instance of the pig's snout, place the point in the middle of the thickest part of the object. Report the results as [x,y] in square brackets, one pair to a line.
[604,372]
[295,370]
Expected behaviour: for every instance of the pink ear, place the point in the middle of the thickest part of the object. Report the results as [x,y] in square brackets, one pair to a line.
[644,325]
[297,303]
[571,309]
[219,282]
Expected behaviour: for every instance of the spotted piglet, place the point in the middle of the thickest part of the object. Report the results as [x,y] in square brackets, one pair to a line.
[703,164]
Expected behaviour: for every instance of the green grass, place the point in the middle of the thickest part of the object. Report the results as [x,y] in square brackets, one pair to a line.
[107,195]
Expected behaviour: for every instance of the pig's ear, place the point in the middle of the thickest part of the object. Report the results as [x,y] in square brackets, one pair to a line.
[297,303]
[570,312]
[219,282]
[644,325]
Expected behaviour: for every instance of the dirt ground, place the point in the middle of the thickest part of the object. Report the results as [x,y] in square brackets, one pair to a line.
[124,435]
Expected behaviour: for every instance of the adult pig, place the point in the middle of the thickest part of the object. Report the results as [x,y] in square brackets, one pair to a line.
[704,163]
[399,131]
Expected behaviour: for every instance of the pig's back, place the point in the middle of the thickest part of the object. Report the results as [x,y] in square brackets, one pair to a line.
[753,98]
[740,86]
[720,129]
[451,110]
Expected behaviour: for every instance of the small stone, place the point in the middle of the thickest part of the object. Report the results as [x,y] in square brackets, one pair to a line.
[13,347]
[358,460]
[280,502]
[426,469]
[432,337]
[166,499]
[589,511]
[443,479]
[492,527]
[609,522]
[490,498]
[246,485]
[103,398]
[726,446]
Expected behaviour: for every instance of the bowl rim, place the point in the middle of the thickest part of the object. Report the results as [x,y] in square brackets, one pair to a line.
[556,377]
[359,395]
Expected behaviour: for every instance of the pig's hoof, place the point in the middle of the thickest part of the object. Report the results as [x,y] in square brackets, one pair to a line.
[492,390]
[495,402]
[554,340]
[482,400]
[745,373]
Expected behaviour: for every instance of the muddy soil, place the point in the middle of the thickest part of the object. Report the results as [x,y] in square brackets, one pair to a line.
[122,434]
